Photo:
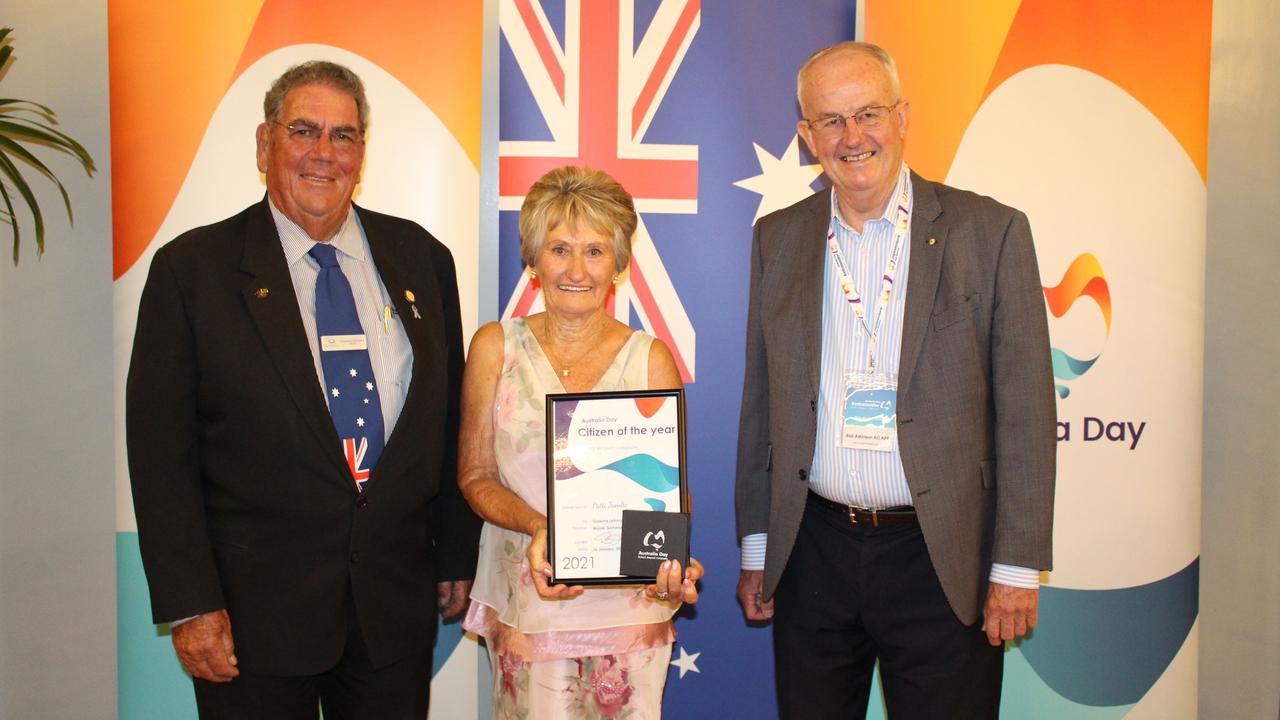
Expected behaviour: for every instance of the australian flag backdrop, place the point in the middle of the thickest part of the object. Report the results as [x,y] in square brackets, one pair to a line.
[691,106]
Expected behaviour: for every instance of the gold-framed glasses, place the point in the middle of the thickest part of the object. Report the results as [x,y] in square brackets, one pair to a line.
[343,138]
[868,118]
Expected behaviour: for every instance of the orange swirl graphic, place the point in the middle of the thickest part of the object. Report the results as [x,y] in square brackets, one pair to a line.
[952,58]
[1083,279]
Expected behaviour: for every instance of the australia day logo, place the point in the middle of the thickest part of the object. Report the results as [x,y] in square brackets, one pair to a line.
[1083,279]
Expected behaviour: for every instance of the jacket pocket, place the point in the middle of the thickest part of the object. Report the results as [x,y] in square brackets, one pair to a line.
[957,310]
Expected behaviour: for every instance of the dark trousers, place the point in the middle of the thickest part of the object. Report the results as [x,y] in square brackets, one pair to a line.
[351,690]
[853,594]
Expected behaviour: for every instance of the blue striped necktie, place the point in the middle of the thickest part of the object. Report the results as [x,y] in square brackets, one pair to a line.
[350,387]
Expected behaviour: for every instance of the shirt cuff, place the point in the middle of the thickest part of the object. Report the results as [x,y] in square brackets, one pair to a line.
[753,547]
[176,623]
[1011,575]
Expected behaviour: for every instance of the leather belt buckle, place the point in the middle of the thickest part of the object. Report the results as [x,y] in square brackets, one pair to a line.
[853,511]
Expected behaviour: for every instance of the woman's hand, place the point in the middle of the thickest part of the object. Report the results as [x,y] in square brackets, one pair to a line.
[540,569]
[669,587]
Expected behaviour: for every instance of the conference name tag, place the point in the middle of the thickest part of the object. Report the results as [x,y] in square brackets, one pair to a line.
[332,343]
[870,412]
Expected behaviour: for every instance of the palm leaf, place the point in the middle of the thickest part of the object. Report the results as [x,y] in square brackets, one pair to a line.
[7,168]
[41,133]
[16,149]
[24,122]
[12,221]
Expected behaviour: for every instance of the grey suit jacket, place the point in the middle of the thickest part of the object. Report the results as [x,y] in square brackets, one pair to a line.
[976,408]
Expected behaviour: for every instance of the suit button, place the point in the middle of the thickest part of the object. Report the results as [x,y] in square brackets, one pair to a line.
[804,475]
[355,557]
[362,503]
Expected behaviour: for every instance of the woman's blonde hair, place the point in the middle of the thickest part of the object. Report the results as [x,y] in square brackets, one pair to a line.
[573,195]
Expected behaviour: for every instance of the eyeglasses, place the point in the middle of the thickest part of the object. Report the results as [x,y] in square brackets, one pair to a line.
[343,139]
[868,118]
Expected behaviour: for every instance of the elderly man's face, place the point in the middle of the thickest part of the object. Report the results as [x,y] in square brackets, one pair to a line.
[312,157]
[862,162]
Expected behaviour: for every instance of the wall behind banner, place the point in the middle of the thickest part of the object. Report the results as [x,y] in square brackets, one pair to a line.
[57,608]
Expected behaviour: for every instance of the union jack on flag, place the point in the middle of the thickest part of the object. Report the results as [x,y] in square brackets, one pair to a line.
[597,93]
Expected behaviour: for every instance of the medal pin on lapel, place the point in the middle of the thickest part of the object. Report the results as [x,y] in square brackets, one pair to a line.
[933,241]
[408,295]
[261,293]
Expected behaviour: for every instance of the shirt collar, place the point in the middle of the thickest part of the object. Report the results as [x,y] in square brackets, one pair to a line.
[297,243]
[890,208]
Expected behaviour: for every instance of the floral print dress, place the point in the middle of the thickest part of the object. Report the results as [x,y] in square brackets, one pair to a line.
[603,654]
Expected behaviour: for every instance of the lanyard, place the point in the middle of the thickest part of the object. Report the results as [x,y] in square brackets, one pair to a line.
[901,229]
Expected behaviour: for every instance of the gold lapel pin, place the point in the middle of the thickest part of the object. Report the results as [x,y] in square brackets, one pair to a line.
[261,293]
[408,295]
[933,241]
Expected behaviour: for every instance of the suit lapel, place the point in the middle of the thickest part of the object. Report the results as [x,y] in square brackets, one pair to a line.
[928,242]
[269,295]
[810,258]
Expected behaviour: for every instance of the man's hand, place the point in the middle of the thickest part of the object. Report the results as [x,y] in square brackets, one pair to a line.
[451,597]
[750,586]
[205,647]
[1010,612]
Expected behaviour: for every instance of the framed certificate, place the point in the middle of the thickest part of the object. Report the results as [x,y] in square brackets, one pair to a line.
[609,452]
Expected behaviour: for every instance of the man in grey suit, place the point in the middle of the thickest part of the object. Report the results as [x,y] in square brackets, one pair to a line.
[896,451]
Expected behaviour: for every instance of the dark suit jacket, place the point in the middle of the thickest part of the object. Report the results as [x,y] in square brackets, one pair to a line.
[976,408]
[241,491]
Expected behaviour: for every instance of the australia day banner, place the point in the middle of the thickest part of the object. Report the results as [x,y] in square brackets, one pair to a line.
[187,82]
[691,106]
[1068,112]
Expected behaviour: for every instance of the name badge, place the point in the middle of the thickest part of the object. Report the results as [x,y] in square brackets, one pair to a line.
[870,412]
[331,343]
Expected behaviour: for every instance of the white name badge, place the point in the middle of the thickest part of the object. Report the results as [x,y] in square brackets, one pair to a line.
[870,412]
[331,343]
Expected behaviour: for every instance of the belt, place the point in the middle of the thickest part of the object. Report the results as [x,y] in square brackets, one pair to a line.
[904,515]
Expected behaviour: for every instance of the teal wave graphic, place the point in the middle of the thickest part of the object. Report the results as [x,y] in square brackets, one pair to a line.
[1108,647]
[648,472]
[1066,367]
[656,505]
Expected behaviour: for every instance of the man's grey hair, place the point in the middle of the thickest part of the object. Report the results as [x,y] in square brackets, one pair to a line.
[880,54]
[316,72]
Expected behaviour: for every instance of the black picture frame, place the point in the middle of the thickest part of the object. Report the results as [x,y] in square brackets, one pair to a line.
[605,411]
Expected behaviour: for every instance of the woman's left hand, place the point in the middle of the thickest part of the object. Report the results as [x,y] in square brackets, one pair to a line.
[671,587]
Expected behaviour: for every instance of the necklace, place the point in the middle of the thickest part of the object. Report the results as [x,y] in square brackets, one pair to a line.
[565,368]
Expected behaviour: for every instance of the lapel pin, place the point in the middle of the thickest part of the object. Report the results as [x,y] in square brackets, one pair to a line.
[261,293]
[933,241]
[416,316]
[408,295]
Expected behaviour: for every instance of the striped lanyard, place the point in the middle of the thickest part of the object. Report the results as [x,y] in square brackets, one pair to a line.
[901,228]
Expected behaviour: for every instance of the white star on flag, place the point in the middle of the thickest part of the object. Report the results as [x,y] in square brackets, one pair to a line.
[359,422]
[335,392]
[782,180]
[366,401]
[686,662]
[353,372]
[368,386]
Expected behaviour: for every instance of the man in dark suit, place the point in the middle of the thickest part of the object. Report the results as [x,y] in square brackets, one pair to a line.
[896,450]
[298,537]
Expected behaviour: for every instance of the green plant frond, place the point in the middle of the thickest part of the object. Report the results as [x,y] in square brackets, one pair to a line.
[18,106]
[4,32]
[10,146]
[5,52]
[9,169]
[37,132]
[12,220]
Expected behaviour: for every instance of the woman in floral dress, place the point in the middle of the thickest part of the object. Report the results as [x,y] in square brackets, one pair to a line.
[560,651]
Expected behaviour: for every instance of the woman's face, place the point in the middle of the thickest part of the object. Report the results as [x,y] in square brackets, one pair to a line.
[576,266]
